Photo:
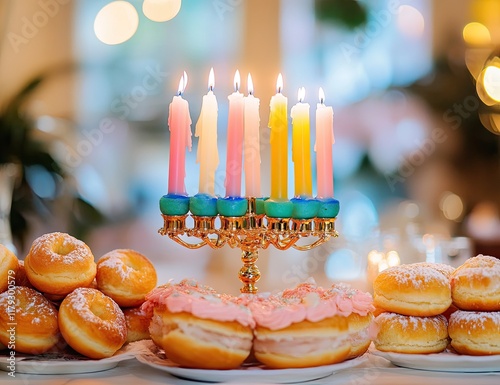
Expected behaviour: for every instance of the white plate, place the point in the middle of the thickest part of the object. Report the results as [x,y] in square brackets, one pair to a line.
[155,358]
[443,362]
[67,363]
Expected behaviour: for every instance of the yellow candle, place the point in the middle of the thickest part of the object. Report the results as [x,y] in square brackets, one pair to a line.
[301,147]
[206,131]
[278,123]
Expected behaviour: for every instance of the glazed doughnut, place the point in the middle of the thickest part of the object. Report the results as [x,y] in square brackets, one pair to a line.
[308,326]
[33,328]
[408,334]
[412,289]
[198,328]
[137,320]
[92,323]
[475,285]
[126,276]
[58,263]
[9,266]
[475,333]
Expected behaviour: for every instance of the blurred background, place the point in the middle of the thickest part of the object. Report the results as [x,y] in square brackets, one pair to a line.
[414,84]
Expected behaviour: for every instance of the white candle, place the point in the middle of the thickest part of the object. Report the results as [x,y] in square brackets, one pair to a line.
[323,147]
[206,131]
[252,143]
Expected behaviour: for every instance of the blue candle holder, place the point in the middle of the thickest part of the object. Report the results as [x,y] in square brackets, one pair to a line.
[329,208]
[174,204]
[203,205]
[232,206]
[305,208]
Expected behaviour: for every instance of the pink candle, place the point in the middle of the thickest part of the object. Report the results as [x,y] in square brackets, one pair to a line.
[252,143]
[179,122]
[234,141]
[323,147]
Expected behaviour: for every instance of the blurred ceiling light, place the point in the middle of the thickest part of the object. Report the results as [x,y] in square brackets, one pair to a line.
[161,10]
[452,206]
[410,21]
[116,22]
[476,34]
[488,81]
[491,82]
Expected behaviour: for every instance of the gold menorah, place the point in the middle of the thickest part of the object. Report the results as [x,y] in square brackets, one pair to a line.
[249,233]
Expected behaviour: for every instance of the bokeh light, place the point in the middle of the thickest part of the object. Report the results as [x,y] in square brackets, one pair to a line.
[452,206]
[491,82]
[161,10]
[476,34]
[410,21]
[116,22]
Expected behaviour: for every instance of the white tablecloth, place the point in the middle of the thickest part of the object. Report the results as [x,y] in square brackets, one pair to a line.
[374,371]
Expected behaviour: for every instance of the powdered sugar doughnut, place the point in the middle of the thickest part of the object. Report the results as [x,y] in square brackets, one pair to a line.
[126,276]
[28,321]
[9,265]
[410,334]
[475,285]
[412,289]
[92,323]
[443,268]
[58,263]
[475,333]
[138,321]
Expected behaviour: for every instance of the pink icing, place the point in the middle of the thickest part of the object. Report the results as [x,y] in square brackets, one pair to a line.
[201,301]
[306,301]
[309,302]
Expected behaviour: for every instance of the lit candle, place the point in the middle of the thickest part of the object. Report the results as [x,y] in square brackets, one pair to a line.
[323,147]
[234,153]
[179,122]
[206,131]
[252,143]
[278,123]
[301,147]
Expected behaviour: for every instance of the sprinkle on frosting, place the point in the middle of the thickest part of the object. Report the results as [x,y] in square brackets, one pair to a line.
[307,301]
[310,302]
[199,300]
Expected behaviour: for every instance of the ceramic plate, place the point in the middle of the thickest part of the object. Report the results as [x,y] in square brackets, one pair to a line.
[446,361]
[67,363]
[156,359]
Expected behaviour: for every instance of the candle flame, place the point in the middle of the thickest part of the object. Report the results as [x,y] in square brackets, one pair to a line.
[185,77]
[237,80]
[301,94]
[211,79]
[321,95]
[180,90]
[250,84]
[279,83]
